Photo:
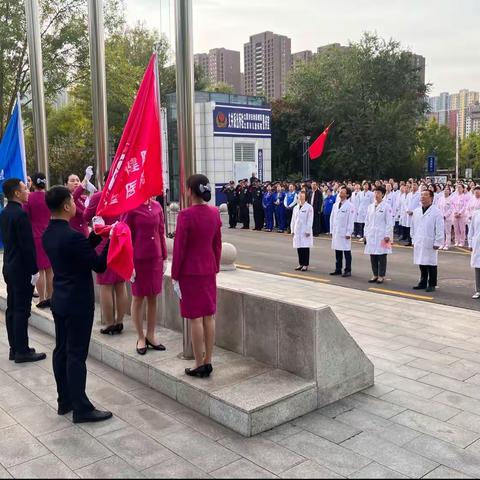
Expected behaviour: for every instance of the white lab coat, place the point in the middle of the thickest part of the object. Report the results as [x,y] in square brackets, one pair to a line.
[355,199]
[365,199]
[402,209]
[411,204]
[378,226]
[341,225]
[427,231]
[302,224]
[474,239]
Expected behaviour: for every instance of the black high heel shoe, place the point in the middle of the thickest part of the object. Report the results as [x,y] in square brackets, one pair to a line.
[209,369]
[111,330]
[142,351]
[200,372]
[119,327]
[158,348]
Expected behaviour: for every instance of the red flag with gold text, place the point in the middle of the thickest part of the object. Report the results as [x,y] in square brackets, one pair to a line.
[136,172]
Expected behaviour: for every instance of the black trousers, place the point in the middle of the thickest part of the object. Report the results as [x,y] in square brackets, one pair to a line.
[288,218]
[339,254]
[379,265]
[303,257]
[232,214]
[19,305]
[317,224]
[429,276]
[245,216]
[258,216]
[406,234]
[72,334]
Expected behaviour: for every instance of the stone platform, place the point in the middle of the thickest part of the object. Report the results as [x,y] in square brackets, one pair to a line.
[276,358]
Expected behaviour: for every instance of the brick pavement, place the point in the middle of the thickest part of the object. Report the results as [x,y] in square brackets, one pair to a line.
[421,419]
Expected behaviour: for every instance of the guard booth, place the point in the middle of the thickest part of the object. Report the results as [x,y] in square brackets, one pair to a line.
[233,139]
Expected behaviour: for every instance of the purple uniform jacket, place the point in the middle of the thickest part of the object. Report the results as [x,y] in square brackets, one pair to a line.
[77,222]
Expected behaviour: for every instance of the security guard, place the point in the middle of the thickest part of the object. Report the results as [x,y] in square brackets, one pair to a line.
[244,201]
[232,203]
[257,199]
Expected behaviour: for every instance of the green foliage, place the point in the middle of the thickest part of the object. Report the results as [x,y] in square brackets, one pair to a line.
[435,139]
[221,87]
[372,92]
[470,153]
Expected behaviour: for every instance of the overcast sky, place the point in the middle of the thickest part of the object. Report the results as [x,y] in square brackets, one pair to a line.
[445,32]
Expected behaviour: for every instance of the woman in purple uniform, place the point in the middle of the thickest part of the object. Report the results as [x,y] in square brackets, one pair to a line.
[196,262]
[149,256]
[39,216]
[77,190]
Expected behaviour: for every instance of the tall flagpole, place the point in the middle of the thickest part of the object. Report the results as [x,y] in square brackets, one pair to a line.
[457,152]
[99,89]
[185,94]
[38,96]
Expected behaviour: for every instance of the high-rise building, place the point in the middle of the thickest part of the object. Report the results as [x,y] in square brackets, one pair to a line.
[473,119]
[441,106]
[419,63]
[301,57]
[221,66]
[268,59]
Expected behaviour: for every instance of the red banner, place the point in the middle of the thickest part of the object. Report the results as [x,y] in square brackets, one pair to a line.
[316,150]
[136,172]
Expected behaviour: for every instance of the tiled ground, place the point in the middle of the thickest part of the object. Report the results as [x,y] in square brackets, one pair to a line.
[422,418]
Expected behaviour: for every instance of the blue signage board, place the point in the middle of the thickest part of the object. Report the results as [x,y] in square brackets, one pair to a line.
[260,164]
[432,164]
[242,121]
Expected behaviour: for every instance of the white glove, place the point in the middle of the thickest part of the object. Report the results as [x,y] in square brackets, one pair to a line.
[91,187]
[98,222]
[35,279]
[176,289]
[133,277]
[89,173]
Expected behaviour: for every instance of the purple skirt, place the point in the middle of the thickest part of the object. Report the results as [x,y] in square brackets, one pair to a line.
[149,277]
[43,262]
[199,296]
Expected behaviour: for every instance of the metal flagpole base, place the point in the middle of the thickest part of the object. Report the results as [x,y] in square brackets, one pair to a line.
[187,353]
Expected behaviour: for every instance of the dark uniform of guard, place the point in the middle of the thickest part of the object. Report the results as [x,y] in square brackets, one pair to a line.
[257,200]
[19,266]
[232,203]
[244,200]
[73,257]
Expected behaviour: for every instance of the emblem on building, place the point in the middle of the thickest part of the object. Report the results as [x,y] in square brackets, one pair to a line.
[221,120]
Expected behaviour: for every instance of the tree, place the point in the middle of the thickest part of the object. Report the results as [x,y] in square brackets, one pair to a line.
[435,139]
[470,153]
[221,87]
[375,96]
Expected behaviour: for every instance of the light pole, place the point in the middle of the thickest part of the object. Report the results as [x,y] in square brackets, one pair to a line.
[38,97]
[99,88]
[306,159]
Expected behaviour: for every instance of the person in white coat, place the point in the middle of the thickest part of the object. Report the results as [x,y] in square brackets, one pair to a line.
[427,232]
[341,228]
[474,243]
[379,235]
[411,204]
[302,231]
[365,199]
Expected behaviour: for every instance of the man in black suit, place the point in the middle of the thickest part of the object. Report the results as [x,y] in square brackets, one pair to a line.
[316,201]
[73,258]
[232,203]
[19,270]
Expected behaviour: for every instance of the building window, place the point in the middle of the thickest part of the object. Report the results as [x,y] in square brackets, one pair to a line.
[245,152]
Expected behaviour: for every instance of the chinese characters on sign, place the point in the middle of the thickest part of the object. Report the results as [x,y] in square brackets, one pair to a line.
[236,121]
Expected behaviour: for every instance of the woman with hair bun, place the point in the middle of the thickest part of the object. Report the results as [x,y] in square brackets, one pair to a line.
[39,216]
[196,262]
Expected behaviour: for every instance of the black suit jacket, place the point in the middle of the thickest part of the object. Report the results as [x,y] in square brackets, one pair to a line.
[317,201]
[73,257]
[19,257]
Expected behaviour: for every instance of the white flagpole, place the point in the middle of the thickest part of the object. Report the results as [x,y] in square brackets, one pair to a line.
[21,138]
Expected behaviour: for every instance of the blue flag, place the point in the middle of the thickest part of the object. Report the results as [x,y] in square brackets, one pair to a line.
[12,149]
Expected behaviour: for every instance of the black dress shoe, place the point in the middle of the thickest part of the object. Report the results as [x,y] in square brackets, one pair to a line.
[420,287]
[209,368]
[142,351]
[110,330]
[119,327]
[64,409]
[158,348]
[11,355]
[200,372]
[430,289]
[347,274]
[91,417]
[335,274]
[29,357]
[44,305]
[373,280]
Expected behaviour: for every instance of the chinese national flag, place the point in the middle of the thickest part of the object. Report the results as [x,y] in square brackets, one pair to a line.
[317,147]
[136,172]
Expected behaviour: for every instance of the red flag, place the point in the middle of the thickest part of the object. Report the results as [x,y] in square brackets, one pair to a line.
[136,172]
[317,147]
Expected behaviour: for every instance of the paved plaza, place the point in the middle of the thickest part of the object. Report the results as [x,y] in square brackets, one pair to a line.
[421,419]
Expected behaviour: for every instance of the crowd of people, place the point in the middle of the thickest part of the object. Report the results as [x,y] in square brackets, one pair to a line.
[51,243]
[416,212]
